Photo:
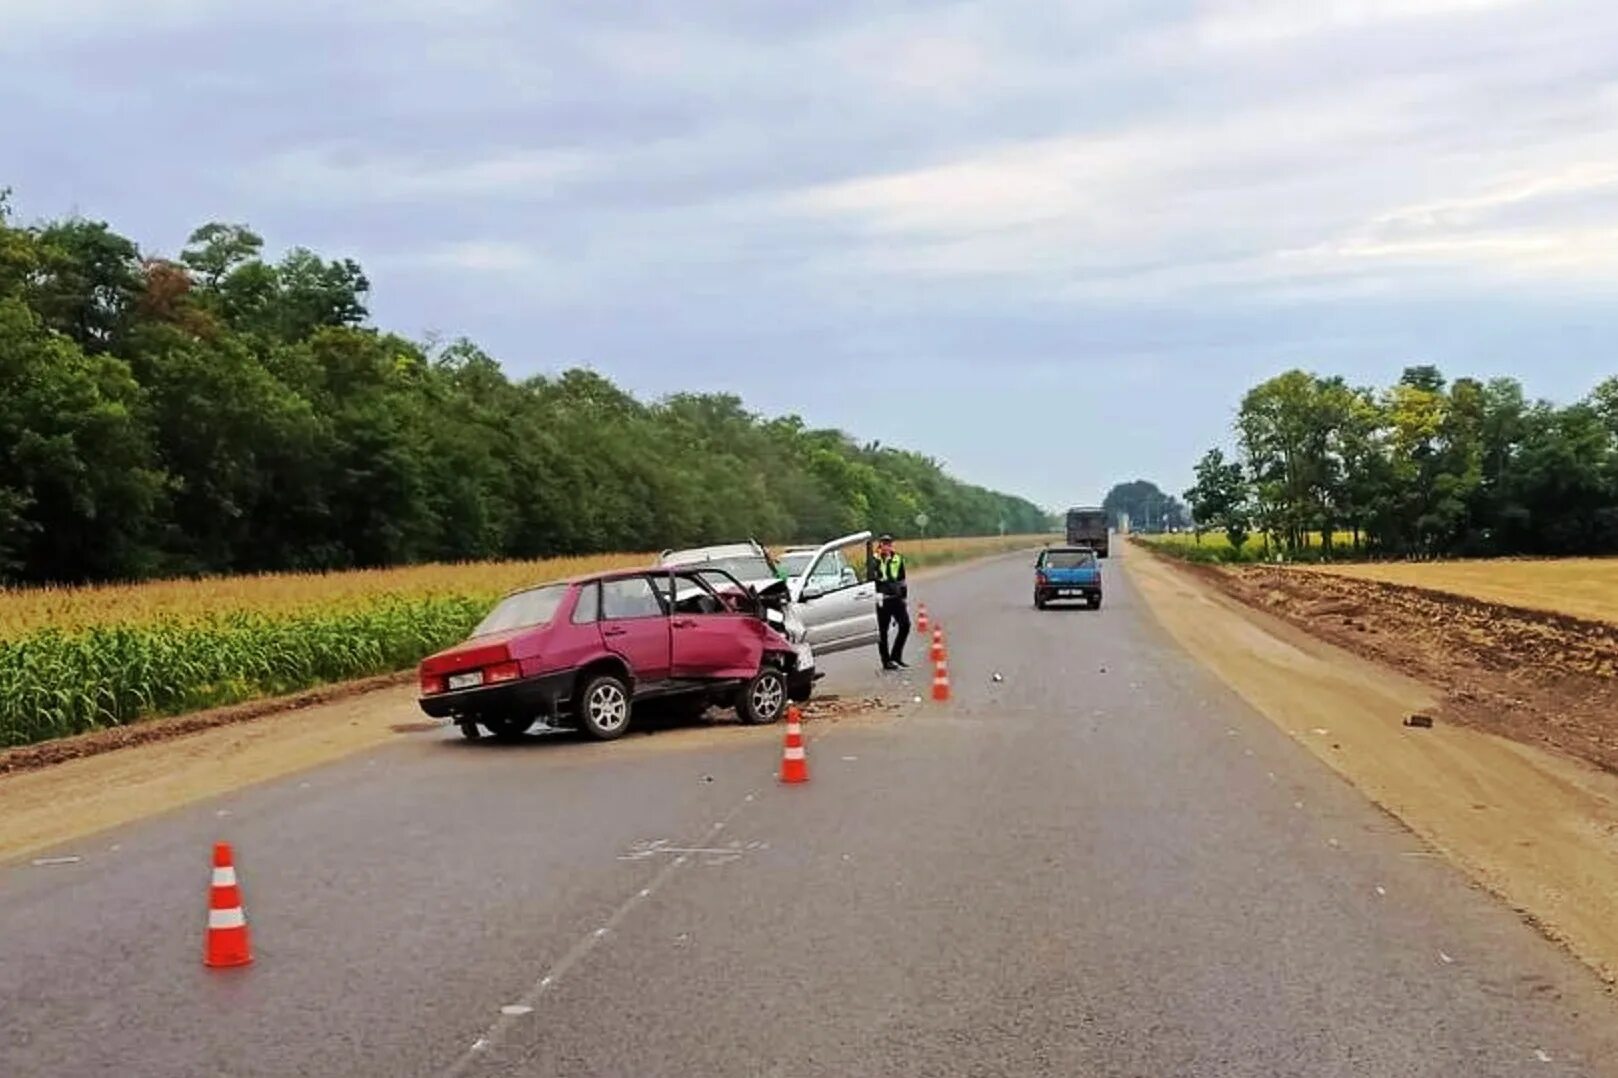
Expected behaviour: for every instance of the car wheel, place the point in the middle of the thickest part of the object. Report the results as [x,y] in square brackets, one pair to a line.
[1095,602]
[762,700]
[1039,601]
[800,688]
[508,729]
[604,707]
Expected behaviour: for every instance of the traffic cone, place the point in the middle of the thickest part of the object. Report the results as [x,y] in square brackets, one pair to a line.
[921,617]
[794,764]
[227,943]
[938,643]
[941,680]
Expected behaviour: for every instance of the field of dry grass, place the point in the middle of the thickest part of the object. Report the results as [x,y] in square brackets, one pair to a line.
[1578,587]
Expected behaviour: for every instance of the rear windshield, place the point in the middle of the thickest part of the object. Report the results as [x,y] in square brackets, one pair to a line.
[1069,559]
[523,610]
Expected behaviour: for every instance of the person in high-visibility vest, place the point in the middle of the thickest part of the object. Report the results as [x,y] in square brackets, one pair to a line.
[892,602]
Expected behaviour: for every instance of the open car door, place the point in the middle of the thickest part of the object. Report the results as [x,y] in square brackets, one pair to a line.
[835,601]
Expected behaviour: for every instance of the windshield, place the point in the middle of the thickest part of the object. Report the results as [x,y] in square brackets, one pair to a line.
[794,564]
[523,610]
[1069,559]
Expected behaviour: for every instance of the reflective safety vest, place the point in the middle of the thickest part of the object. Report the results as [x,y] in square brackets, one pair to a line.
[889,568]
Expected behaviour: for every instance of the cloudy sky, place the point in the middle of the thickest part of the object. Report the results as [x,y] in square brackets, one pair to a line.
[1050,244]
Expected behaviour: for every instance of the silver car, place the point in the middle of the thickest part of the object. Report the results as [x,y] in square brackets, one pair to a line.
[835,608]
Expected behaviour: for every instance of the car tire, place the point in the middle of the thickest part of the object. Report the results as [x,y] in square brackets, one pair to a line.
[800,688]
[1095,602]
[1039,602]
[763,699]
[508,728]
[604,707]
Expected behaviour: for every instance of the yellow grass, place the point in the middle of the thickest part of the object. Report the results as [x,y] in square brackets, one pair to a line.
[23,610]
[1579,587]
[26,610]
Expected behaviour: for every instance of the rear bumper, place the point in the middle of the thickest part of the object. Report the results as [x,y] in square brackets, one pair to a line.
[546,694]
[1067,591]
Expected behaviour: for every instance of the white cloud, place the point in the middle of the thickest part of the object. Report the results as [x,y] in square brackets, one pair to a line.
[336,174]
[1238,23]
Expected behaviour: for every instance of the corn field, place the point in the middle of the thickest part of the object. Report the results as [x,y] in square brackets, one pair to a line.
[79,659]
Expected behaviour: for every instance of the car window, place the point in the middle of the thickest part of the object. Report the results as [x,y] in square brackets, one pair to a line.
[588,608]
[793,564]
[692,596]
[629,597]
[830,569]
[523,610]
[1069,559]
[731,593]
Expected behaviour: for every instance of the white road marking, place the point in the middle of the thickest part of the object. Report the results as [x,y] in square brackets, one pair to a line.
[516,1010]
[583,947]
[46,862]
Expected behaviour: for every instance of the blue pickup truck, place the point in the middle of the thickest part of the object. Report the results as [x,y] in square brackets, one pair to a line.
[1066,572]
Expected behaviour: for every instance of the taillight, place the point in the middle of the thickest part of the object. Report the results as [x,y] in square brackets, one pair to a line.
[494,675]
[1041,578]
[431,683]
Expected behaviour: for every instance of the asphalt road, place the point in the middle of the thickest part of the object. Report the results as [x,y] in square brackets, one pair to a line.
[1104,864]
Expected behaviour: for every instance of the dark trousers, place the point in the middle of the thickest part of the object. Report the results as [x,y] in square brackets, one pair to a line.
[892,612]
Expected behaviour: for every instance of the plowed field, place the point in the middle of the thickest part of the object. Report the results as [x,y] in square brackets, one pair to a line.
[1534,675]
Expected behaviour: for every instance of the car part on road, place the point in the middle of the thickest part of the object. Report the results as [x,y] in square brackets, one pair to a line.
[604,709]
[763,699]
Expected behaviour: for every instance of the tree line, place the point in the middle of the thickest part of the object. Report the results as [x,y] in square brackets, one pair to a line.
[222,412]
[1423,468]
[1146,507]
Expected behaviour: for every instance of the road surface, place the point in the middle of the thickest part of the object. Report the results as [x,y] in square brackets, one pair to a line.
[1104,864]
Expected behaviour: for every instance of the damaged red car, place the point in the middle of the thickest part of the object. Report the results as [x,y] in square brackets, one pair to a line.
[584,652]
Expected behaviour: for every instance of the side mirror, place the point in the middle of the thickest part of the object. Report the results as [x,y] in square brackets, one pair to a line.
[850,578]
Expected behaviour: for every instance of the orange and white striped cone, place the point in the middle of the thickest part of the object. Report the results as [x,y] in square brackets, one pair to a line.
[921,618]
[794,764]
[938,643]
[941,680]
[227,944]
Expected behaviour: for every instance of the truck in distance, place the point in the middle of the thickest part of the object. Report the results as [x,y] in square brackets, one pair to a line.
[1087,527]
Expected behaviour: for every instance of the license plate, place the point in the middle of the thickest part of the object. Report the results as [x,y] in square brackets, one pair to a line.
[466,681]
[1070,592]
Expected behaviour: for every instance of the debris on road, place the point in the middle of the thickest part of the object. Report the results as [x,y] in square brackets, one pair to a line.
[1421,722]
[997,676]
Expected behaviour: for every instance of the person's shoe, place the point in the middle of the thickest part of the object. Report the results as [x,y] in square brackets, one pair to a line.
[901,664]
[890,667]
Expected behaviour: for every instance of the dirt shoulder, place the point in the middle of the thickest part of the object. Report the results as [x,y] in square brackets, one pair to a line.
[1541,678]
[1534,826]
